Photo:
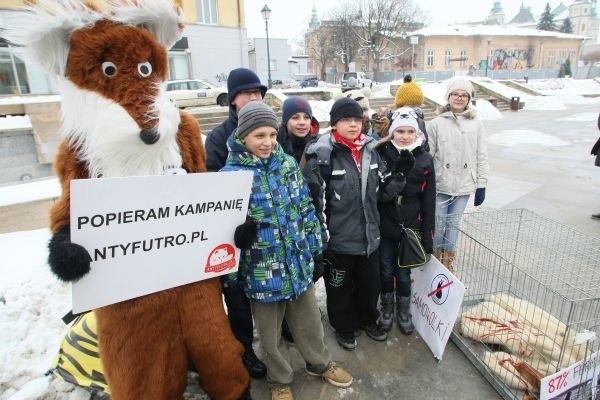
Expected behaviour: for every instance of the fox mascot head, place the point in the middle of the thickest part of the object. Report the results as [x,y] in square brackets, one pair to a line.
[110,63]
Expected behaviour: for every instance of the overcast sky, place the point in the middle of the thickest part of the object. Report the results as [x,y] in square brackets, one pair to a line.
[290,18]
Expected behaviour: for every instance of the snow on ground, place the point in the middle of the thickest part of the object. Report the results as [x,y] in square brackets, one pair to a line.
[32,301]
[15,122]
[29,99]
[517,137]
[31,191]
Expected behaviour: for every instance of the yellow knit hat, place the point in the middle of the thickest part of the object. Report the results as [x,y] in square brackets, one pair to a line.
[409,94]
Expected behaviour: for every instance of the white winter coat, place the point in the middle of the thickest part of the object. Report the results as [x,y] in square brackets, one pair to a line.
[457,144]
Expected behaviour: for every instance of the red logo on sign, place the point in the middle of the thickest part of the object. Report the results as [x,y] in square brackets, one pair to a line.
[221,258]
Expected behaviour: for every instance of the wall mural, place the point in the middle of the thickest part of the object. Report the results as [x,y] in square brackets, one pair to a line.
[511,59]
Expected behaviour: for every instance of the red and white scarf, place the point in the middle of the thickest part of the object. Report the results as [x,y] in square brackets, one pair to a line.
[355,146]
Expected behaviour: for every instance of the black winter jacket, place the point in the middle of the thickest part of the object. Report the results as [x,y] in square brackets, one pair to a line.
[346,200]
[216,142]
[417,206]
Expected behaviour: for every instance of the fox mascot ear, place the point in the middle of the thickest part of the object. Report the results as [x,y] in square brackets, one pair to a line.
[50,24]
[160,17]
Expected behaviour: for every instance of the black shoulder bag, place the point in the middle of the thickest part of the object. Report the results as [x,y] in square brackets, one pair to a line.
[411,253]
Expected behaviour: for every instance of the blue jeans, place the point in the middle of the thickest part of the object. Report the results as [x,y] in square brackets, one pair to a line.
[446,234]
[388,256]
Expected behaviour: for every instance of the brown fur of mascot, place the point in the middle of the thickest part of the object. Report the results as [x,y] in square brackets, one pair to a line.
[111,67]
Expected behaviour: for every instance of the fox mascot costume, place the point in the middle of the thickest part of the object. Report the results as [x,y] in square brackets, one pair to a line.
[110,62]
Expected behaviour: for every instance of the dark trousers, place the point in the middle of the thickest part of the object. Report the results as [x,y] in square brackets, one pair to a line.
[239,314]
[352,284]
[388,252]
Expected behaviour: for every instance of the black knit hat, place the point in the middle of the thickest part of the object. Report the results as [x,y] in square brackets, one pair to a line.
[243,79]
[344,108]
[254,115]
[293,105]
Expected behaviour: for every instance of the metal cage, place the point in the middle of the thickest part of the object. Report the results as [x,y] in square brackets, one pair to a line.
[532,305]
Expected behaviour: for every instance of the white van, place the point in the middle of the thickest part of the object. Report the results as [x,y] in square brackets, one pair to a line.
[360,79]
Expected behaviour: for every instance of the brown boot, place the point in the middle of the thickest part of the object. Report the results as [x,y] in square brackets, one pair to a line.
[439,254]
[449,260]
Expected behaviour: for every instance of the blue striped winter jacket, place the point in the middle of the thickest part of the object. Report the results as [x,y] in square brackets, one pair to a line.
[279,266]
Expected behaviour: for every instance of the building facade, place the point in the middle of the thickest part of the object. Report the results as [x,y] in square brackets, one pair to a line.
[213,43]
[498,47]
[488,45]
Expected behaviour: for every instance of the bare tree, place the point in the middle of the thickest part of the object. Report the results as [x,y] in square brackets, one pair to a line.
[343,30]
[319,46]
[380,23]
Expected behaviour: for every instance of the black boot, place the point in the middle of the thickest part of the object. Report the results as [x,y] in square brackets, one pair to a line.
[386,317]
[256,368]
[403,316]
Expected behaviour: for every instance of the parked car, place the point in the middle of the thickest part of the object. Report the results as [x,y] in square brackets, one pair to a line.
[309,81]
[285,83]
[356,79]
[196,92]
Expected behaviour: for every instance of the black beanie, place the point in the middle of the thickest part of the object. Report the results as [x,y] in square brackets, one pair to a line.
[243,79]
[344,108]
[293,105]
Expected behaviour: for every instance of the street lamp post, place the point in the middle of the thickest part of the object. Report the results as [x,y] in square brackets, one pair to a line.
[487,61]
[413,40]
[266,13]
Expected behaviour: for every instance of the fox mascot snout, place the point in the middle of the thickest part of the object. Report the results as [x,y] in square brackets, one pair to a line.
[111,67]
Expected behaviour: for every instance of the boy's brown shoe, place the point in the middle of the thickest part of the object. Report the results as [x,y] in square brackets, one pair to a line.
[335,375]
[282,393]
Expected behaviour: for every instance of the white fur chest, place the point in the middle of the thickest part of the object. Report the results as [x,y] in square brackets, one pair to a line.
[108,138]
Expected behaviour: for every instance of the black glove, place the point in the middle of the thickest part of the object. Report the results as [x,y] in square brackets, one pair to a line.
[479,196]
[319,267]
[595,148]
[404,163]
[246,234]
[69,261]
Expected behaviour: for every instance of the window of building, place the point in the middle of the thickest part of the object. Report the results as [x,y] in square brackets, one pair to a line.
[430,58]
[273,65]
[572,55]
[447,56]
[582,28]
[463,58]
[551,58]
[13,76]
[562,55]
[179,67]
[207,11]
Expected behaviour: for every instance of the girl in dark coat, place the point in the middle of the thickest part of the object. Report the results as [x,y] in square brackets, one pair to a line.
[298,126]
[413,208]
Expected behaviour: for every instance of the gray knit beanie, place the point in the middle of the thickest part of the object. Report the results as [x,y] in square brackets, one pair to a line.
[254,115]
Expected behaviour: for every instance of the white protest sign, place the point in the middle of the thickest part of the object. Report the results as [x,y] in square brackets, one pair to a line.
[580,380]
[435,304]
[151,233]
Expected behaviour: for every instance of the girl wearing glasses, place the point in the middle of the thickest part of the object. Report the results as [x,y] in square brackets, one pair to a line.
[457,144]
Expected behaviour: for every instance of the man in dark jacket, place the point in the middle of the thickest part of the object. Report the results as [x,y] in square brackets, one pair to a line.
[596,152]
[243,86]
